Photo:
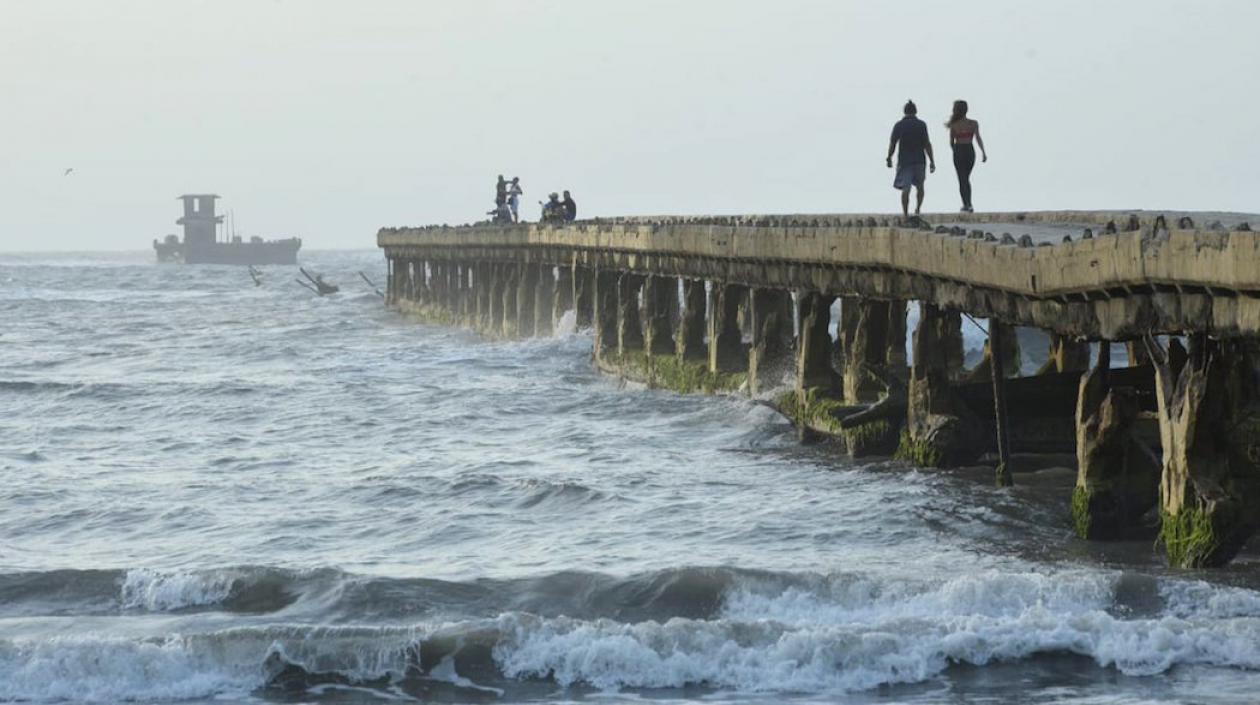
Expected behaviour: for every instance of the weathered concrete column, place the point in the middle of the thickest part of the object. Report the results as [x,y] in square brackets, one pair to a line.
[404,281]
[468,295]
[459,289]
[689,341]
[1001,422]
[940,431]
[868,335]
[526,304]
[393,283]
[451,286]
[435,283]
[1117,477]
[895,362]
[583,296]
[511,277]
[396,281]
[813,345]
[1066,355]
[629,317]
[564,293]
[604,312]
[390,293]
[420,281]
[660,297]
[481,296]
[769,357]
[1136,352]
[544,300]
[1209,423]
[441,290]
[726,345]
[1009,355]
[869,350]
[949,342]
[494,304]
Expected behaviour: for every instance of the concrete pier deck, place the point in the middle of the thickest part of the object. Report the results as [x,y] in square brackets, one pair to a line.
[1152,278]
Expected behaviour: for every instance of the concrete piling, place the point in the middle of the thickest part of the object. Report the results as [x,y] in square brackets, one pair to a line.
[813,345]
[660,298]
[564,293]
[604,296]
[726,345]
[629,317]
[544,300]
[771,324]
[583,296]
[689,342]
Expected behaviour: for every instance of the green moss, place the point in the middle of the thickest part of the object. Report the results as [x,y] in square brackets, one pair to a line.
[1081,518]
[918,452]
[689,376]
[870,438]
[670,372]
[820,412]
[813,410]
[429,313]
[1190,538]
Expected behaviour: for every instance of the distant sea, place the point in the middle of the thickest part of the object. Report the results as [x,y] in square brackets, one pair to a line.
[216,492]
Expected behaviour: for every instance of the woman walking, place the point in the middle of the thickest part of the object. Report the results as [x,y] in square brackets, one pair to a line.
[962,130]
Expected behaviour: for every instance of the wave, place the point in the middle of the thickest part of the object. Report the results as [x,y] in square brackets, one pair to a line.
[94,592]
[715,628]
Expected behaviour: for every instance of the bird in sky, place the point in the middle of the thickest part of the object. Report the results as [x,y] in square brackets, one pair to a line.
[68,170]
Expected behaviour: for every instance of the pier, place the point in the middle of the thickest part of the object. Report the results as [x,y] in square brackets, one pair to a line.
[745,305]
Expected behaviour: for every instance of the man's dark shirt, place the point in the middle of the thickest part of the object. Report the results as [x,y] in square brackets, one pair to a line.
[912,135]
[570,209]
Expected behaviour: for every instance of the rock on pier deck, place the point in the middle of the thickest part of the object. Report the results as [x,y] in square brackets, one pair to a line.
[745,303]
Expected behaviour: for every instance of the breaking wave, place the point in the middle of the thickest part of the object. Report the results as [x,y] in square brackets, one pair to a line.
[762,633]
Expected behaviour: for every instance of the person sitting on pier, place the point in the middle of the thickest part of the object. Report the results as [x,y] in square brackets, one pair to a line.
[910,141]
[514,198]
[570,208]
[501,215]
[553,209]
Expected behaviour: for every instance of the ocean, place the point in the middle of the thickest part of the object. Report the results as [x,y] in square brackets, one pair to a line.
[219,493]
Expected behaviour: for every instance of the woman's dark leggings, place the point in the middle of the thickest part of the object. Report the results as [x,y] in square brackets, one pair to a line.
[964,162]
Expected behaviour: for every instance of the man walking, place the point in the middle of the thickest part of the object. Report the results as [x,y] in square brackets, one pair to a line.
[912,135]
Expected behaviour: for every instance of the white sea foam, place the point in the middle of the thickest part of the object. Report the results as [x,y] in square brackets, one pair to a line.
[111,669]
[1196,598]
[229,663]
[566,325]
[160,592]
[859,635]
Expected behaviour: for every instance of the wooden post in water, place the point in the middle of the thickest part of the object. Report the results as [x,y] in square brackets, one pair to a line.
[1003,475]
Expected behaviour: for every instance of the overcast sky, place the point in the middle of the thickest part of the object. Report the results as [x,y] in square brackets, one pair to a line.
[329,119]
